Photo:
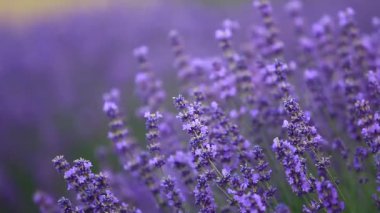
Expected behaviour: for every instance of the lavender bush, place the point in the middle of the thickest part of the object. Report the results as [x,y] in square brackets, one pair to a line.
[257,127]
[52,71]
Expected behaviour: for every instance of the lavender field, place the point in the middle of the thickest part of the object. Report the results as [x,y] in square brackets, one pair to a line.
[192,106]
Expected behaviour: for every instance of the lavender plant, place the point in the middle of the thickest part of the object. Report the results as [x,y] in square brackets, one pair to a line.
[268,131]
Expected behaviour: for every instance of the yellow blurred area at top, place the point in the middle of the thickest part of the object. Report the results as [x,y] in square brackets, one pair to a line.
[19,10]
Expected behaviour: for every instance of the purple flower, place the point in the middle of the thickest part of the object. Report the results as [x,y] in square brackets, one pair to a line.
[314,83]
[275,78]
[294,8]
[146,173]
[373,79]
[118,132]
[172,193]
[61,164]
[204,196]
[66,205]
[339,146]
[282,208]
[181,60]
[223,82]
[148,88]
[92,189]
[369,124]
[202,149]
[45,202]
[250,203]
[183,163]
[245,84]
[323,33]
[313,207]
[153,136]
[328,196]
[274,47]
[300,132]
[224,38]
[294,165]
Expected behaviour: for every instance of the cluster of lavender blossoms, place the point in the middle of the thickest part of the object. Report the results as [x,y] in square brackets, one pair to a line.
[255,129]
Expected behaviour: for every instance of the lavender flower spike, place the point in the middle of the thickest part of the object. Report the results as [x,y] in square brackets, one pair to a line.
[152,137]
[191,116]
[172,193]
[294,165]
[369,124]
[329,197]
[118,132]
[274,47]
[203,195]
[148,86]
[250,202]
[66,205]
[92,189]
[45,202]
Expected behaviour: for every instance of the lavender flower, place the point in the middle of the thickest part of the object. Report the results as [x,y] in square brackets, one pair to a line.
[360,53]
[153,137]
[275,79]
[274,47]
[190,114]
[323,33]
[223,81]
[44,201]
[250,203]
[66,205]
[224,36]
[350,76]
[146,173]
[244,84]
[373,79]
[294,8]
[369,124]
[361,153]
[314,206]
[118,132]
[181,59]
[339,146]
[92,189]
[219,134]
[203,195]
[182,162]
[294,165]
[172,194]
[314,83]
[298,127]
[148,87]
[328,196]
